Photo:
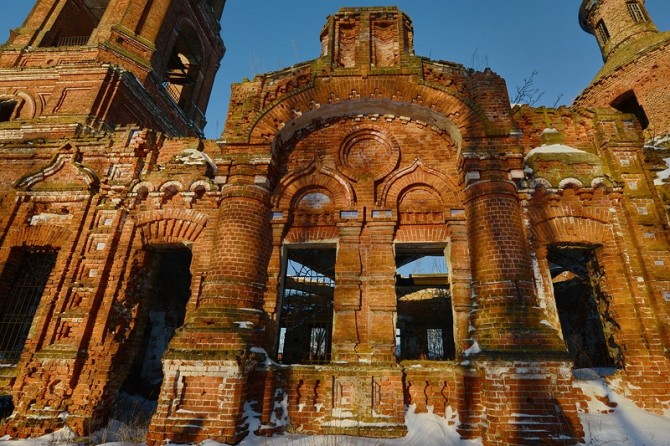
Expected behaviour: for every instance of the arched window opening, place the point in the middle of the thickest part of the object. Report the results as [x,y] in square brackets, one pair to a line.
[636,12]
[424,328]
[7,107]
[306,313]
[167,283]
[583,308]
[628,103]
[75,23]
[23,281]
[183,72]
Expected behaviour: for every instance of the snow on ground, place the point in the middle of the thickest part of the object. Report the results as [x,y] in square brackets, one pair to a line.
[611,420]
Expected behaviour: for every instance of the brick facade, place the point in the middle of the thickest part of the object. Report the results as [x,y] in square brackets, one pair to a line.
[348,166]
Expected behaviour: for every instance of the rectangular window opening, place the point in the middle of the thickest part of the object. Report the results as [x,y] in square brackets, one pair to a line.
[424,328]
[583,307]
[22,284]
[306,313]
[636,12]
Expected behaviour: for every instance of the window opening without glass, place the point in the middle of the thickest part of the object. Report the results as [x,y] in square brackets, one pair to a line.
[583,308]
[306,313]
[424,328]
[22,284]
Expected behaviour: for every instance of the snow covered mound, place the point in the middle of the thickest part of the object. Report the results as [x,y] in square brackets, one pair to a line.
[612,419]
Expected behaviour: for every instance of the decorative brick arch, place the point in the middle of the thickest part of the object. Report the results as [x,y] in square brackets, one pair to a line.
[314,177]
[170,226]
[306,109]
[414,176]
[582,229]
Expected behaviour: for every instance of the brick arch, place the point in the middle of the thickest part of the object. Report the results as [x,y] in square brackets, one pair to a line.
[41,235]
[314,177]
[27,107]
[170,226]
[417,175]
[303,109]
[569,229]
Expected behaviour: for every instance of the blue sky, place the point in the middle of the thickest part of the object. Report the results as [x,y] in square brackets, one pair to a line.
[513,37]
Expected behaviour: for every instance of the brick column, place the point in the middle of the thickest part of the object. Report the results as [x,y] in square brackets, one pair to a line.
[526,400]
[507,317]
[347,299]
[459,281]
[379,295]
[208,363]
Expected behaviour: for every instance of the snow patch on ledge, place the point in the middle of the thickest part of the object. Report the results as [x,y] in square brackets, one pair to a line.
[553,148]
[663,174]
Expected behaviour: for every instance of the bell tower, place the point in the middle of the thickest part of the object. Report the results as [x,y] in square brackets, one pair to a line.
[616,23]
[95,64]
[637,63]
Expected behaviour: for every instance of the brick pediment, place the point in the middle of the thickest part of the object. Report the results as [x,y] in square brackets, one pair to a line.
[63,173]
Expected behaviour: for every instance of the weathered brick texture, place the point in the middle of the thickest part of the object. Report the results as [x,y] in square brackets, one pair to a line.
[353,164]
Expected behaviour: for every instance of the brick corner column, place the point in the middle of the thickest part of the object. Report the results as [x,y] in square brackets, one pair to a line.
[208,362]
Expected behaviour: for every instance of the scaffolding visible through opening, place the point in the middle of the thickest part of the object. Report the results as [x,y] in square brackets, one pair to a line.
[306,314]
[424,328]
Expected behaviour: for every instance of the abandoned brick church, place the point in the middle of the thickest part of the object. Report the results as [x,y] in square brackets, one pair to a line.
[374,230]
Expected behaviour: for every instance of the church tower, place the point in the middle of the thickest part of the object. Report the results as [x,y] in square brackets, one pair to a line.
[95,64]
[616,24]
[637,62]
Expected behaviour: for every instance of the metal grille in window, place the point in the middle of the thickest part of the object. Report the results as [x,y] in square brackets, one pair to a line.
[19,304]
[636,12]
[306,318]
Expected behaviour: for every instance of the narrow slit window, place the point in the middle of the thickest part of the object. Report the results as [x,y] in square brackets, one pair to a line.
[602,32]
[424,328]
[306,313]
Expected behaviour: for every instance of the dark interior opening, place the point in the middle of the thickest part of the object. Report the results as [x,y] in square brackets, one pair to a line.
[169,291]
[7,107]
[22,284]
[627,103]
[75,23]
[306,313]
[425,325]
[583,307]
[6,406]
[183,71]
